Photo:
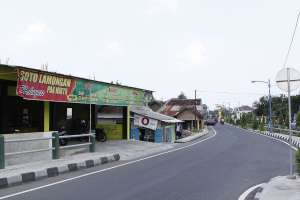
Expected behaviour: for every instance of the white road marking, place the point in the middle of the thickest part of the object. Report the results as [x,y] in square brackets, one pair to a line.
[106,169]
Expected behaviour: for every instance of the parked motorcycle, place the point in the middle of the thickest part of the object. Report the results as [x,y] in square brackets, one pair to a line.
[77,126]
[100,135]
[62,131]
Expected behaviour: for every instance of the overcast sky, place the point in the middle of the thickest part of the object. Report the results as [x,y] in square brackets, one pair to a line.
[168,46]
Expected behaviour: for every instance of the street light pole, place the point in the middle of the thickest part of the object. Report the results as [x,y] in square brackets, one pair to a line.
[270,107]
[270,124]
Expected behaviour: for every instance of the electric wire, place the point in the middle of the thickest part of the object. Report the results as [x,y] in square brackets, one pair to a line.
[292,41]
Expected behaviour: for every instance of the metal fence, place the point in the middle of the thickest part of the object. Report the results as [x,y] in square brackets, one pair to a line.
[56,147]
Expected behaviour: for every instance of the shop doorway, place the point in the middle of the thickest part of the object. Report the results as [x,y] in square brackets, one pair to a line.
[73,113]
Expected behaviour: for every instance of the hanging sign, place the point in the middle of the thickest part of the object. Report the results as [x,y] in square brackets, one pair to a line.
[144,121]
[41,86]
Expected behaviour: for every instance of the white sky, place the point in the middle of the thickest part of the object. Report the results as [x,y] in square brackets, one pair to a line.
[167,46]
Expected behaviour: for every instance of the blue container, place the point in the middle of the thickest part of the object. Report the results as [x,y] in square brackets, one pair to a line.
[158,136]
[135,134]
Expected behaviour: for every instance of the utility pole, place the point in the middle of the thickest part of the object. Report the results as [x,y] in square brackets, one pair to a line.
[90,91]
[290,121]
[195,123]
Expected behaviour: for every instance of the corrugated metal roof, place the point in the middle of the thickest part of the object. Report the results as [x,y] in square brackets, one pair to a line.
[145,111]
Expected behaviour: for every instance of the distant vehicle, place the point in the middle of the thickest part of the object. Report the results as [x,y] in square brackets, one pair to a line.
[222,121]
[211,122]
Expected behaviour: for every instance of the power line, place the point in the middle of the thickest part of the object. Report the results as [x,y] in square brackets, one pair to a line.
[230,93]
[291,43]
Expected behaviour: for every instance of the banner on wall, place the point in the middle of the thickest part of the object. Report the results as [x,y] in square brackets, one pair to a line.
[144,121]
[44,86]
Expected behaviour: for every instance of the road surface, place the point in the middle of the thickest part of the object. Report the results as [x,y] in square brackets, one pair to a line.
[219,168]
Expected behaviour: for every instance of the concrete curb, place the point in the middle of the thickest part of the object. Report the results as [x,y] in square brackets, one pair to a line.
[252,193]
[55,171]
[192,137]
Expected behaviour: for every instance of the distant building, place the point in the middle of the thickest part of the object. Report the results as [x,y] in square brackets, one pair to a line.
[190,111]
[242,110]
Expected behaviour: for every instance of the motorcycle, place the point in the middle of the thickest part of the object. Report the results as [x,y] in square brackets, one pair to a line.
[61,132]
[222,121]
[100,135]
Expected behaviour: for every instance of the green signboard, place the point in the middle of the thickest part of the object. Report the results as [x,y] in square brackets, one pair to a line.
[104,94]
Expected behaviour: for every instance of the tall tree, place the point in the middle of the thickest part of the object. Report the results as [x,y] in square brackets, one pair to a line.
[181,96]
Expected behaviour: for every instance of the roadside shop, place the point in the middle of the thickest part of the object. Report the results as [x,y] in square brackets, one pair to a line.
[34,100]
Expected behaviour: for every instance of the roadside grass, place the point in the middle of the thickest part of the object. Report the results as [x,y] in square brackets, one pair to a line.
[297,161]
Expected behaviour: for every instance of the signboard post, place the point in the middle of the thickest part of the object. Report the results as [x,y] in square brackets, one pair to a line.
[288,79]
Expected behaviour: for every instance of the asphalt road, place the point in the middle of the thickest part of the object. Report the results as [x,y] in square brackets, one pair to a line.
[220,168]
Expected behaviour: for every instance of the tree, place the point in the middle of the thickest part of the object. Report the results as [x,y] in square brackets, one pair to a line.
[279,108]
[261,106]
[181,96]
[243,121]
[261,127]
[255,123]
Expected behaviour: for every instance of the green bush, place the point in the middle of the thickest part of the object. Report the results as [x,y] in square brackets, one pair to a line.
[243,121]
[261,127]
[255,124]
[297,160]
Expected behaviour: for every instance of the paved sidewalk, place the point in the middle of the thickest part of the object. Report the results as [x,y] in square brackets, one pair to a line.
[127,149]
[75,159]
[281,188]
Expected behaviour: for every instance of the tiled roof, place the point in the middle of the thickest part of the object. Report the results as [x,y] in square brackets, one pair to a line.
[173,107]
